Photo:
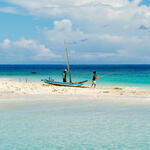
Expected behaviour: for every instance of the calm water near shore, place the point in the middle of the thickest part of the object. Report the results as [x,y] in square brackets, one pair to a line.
[74,125]
[116,75]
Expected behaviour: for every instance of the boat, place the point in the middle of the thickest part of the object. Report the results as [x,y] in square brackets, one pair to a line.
[70,83]
[57,83]
[33,72]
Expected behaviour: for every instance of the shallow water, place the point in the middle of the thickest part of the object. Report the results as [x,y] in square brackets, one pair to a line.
[74,125]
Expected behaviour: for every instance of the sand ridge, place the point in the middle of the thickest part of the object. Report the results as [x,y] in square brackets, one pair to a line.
[10,88]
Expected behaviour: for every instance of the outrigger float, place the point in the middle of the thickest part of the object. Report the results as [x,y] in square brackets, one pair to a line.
[70,83]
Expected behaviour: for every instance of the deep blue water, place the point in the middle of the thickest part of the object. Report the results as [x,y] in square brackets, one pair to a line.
[125,75]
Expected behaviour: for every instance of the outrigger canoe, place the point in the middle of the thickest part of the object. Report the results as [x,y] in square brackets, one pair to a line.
[57,83]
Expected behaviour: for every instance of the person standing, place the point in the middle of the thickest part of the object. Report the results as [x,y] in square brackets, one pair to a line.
[94,79]
[64,75]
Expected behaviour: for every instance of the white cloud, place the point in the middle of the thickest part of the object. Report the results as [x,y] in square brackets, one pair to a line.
[65,25]
[92,15]
[11,10]
[95,29]
[27,50]
[98,47]
[6,43]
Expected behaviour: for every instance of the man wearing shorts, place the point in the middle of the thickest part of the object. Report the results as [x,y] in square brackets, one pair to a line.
[94,79]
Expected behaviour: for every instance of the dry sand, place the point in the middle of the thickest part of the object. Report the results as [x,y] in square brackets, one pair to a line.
[11,89]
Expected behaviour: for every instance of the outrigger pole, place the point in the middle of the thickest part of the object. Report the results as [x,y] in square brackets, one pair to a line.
[68,62]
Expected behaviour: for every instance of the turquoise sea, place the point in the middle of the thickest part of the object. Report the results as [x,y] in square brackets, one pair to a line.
[74,125]
[113,75]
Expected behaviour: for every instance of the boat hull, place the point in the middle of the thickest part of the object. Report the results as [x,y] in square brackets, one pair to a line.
[63,83]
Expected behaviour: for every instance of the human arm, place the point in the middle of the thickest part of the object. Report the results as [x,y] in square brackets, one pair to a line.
[98,76]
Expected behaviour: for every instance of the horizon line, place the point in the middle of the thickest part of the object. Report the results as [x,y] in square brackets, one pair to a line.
[72,64]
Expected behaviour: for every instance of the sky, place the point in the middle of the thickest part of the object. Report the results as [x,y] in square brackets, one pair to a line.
[95,31]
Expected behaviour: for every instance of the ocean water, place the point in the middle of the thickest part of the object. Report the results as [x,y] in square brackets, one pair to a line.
[74,125]
[113,75]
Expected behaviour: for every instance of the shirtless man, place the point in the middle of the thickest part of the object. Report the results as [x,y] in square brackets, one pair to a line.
[94,79]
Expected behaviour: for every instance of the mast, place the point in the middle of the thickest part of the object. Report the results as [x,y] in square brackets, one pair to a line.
[67,62]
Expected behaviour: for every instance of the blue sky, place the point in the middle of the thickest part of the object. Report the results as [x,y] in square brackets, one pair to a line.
[145,2]
[96,31]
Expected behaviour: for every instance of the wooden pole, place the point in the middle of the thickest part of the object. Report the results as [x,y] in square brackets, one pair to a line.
[68,62]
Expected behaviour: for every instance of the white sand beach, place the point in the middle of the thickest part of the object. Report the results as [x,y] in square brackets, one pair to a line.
[11,89]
